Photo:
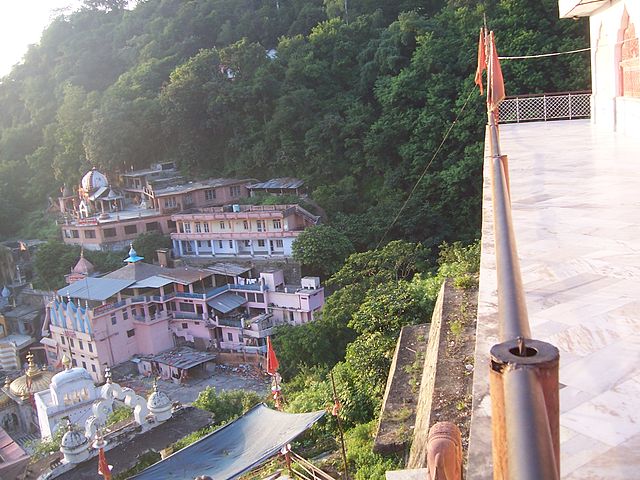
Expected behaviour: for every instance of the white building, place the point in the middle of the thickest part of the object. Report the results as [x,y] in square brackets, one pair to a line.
[71,394]
[615,60]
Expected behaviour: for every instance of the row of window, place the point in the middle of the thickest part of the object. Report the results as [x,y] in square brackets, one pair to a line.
[246,244]
[80,344]
[203,227]
[111,232]
[235,191]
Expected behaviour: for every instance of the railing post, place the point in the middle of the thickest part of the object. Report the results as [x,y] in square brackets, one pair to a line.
[517,111]
[544,106]
[570,106]
[525,427]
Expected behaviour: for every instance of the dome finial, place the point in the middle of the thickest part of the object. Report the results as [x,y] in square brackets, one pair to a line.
[133,256]
[32,370]
[66,361]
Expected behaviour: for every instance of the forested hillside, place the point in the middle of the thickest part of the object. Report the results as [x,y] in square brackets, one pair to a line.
[353,102]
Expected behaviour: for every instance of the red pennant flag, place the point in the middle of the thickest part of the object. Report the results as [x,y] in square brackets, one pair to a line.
[272,360]
[496,87]
[482,60]
[104,468]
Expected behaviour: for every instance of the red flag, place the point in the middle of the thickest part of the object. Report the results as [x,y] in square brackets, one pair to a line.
[104,468]
[272,360]
[496,86]
[482,60]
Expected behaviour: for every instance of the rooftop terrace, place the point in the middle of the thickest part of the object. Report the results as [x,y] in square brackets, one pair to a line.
[575,205]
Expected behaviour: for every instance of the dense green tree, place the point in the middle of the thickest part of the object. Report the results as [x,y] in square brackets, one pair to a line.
[321,249]
[146,245]
[226,405]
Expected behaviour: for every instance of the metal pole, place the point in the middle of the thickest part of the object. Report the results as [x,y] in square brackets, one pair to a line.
[344,450]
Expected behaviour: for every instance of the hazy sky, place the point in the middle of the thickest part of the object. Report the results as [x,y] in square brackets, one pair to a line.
[21,24]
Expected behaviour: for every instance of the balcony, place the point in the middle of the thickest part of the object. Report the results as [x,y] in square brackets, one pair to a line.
[574,196]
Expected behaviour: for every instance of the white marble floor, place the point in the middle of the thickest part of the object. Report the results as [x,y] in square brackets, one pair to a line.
[576,213]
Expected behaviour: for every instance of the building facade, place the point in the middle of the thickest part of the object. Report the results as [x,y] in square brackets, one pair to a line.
[102,216]
[144,309]
[240,231]
[615,60]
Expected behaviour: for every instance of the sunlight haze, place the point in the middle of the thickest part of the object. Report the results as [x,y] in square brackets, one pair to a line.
[22,23]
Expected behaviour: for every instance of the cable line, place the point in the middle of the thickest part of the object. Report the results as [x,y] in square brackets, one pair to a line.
[446,135]
[540,55]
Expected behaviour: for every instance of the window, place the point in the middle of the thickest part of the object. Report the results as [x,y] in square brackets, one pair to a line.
[187,227]
[84,365]
[152,226]
[62,340]
[125,315]
[230,243]
[247,243]
[187,307]
[198,227]
[278,243]
[109,232]
[245,224]
[74,363]
[131,333]
[222,226]
[93,368]
[260,225]
[90,345]
[67,233]
[210,194]
[185,325]
[75,234]
[89,234]
[234,191]
[113,320]
[71,343]
[230,336]
[171,225]
[130,229]
[188,199]
[205,227]
[220,244]
[80,346]
[170,202]
[259,298]
[277,224]
[261,243]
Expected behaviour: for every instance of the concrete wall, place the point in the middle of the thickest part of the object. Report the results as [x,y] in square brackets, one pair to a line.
[418,454]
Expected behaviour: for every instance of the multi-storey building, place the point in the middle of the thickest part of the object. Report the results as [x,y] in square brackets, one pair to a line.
[101,217]
[144,309]
[240,230]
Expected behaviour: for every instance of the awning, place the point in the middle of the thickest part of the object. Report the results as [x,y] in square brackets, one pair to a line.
[235,448]
[226,302]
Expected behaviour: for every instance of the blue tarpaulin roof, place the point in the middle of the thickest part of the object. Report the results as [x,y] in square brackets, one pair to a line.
[235,448]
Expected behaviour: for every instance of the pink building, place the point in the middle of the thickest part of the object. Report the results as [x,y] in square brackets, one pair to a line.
[144,309]
[101,217]
[240,230]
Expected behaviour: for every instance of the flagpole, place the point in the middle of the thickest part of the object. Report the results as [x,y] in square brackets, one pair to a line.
[337,415]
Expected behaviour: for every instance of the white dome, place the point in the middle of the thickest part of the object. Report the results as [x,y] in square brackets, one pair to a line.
[73,440]
[93,180]
[73,375]
[158,401]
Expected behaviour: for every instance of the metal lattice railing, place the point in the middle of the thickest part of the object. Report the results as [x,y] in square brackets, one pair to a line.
[550,106]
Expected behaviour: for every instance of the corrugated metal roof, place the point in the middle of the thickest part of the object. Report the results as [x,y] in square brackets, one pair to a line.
[228,269]
[91,288]
[226,302]
[283,182]
[181,357]
[191,186]
[155,281]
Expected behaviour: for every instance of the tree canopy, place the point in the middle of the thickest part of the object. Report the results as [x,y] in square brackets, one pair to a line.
[354,101]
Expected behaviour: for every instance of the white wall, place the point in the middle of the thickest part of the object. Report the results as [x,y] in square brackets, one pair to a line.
[609,109]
